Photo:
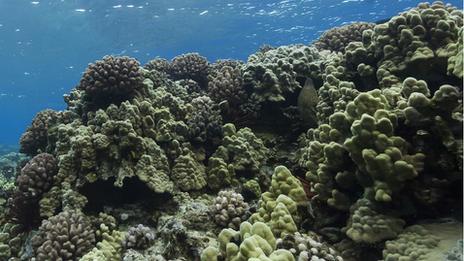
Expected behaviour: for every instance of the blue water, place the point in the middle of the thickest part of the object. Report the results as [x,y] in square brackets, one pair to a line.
[46,45]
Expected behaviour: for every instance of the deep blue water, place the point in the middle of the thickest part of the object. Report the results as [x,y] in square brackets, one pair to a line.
[46,45]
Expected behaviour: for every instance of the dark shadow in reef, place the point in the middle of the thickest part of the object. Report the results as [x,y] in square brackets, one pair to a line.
[102,193]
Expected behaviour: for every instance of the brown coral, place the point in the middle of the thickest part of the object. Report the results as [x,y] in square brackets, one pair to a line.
[66,236]
[111,80]
[336,39]
[158,64]
[36,178]
[190,66]
[34,140]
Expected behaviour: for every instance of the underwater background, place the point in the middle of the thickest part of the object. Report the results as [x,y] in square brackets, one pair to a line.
[214,131]
[46,45]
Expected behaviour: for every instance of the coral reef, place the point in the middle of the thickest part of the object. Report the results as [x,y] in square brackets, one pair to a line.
[275,74]
[66,236]
[278,207]
[346,149]
[190,66]
[230,209]
[241,152]
[424,242]
[138,237]
[35,139]
[305,247]
[35,179]
[204,119]
[158,64]
[337,38]
[251,241]
[111,80]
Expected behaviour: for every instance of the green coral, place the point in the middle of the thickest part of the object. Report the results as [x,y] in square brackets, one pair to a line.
[252,242]
[240,152]
[417,240]
[109,248]
[428,241]
[455,60]
[188,173]
[366,225]
[414,42]
[278,207]
[274,74]
[11,239]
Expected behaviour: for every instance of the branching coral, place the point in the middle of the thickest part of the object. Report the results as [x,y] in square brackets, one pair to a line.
[278,207]
[413,42]
[366,225]
[187,173]
[305,247]
[158,64]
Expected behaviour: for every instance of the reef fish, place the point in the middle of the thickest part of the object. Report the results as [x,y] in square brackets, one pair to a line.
[307,101]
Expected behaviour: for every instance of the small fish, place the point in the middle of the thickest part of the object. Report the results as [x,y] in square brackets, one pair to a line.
[307,101]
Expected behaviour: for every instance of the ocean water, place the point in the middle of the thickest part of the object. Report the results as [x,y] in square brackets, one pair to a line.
[45,45]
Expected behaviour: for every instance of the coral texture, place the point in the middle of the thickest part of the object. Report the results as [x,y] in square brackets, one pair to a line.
[190,66]
[230,209]
[66,236]
[336,39]
[138,237]
[252,241]
[111,80]
[35,139]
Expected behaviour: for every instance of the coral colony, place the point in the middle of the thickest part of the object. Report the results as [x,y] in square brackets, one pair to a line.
[196,160]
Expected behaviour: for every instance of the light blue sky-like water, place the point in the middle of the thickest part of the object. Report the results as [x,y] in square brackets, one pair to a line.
[45,45]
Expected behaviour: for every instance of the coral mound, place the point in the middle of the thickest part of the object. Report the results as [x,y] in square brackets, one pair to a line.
[66,236]
[35,179]
[35,139]
[111,80]
[336,39]
[190,66]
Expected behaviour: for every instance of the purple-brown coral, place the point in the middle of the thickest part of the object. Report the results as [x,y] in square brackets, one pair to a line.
[158,64]
[111,80]
[190,66]
[66,236]
[35,179]
[34,140]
